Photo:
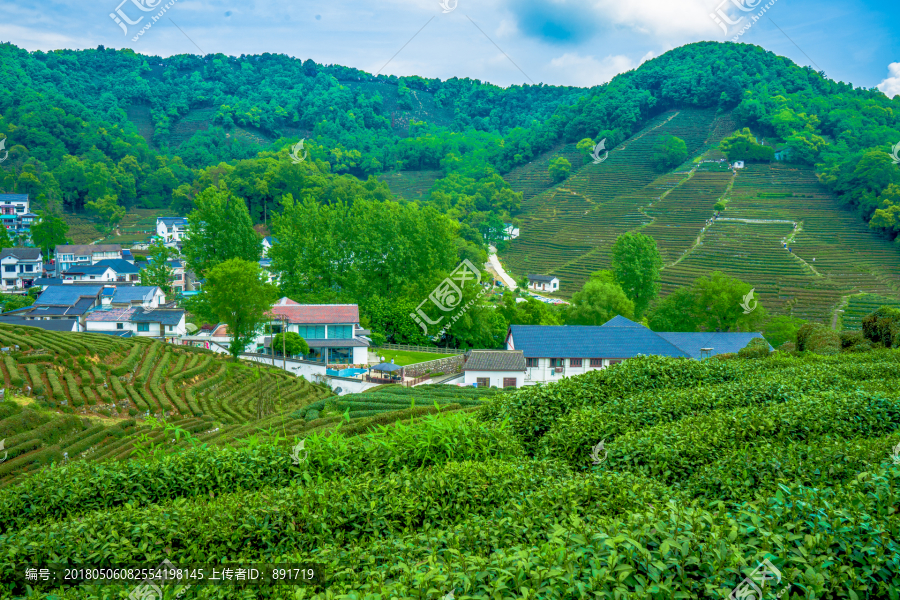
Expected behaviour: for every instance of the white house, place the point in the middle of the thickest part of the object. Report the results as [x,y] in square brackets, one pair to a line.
[494,368]
[148,296]
[556,351]
[69,256]
[332,331]
[738,164]
[165,323]
[171,229]
[543,283]
[89,273]
[267,244]
[20,267]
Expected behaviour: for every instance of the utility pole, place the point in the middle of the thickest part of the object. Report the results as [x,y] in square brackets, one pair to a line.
[284,340]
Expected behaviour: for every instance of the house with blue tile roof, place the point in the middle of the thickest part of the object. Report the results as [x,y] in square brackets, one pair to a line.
[555,351]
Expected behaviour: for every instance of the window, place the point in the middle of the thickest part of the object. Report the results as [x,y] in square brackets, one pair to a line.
[341,332]
[574,362]
[29,268]
[596,362]
[143,326]
[531,362]
[557,362]
[9,268]
[312,332]
[615,361]
[484,382]
[92,277]
[509,382]
[10,282]
[120,325]
[168,328]
[340,356]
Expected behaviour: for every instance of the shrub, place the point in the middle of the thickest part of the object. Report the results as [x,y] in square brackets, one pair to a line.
[757,348]
[14,378]
[883,327]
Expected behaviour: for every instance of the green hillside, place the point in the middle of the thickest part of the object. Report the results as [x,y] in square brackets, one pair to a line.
[717,464]
[568,229]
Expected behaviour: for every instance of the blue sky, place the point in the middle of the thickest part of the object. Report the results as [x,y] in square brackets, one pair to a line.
[559,42]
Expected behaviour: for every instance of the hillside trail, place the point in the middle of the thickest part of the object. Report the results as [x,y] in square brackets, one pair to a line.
[845,300]
[496,267]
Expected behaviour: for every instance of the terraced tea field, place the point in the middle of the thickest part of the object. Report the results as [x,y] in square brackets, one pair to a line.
[87,390]
[860,305]
[411,185]
[86,397]
[568,230]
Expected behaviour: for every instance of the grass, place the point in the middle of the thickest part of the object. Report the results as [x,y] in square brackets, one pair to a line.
[403,357]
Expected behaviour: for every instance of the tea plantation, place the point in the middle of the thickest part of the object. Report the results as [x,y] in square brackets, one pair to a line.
[707,468]
[568,229]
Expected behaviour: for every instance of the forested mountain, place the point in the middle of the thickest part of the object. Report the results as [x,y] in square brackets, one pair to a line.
[95,128]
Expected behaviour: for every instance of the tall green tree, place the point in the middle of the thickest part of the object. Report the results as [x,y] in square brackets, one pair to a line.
[360,250]
[559,168]
[290,343]
[713,303]
[636,263]
[236,293]
[108,209]
[670,152]
[219,229]
[598,301]
[5,240]
[49,232]
[158,272]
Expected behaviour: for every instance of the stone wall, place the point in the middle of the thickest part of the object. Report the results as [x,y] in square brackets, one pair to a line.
[440,365]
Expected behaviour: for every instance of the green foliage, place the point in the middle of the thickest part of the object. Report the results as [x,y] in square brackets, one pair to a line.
[742,146]
[781,329]
[598,301]
[883,327]
[49,232]
[290,344]
[559,168]
[15,301]
[670,152]
[817,338]
[636,263]
[333,251]
[755,348]
[714,303]
[236,293]
[219,229]
[158,272]
[107,209]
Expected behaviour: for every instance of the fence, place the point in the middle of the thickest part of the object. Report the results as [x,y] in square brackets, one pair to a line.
[419,349]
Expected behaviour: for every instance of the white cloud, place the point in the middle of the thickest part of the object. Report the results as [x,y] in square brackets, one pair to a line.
[891,85]
[587,71]
[662,18]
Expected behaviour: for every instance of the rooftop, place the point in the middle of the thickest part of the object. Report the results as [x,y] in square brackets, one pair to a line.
[620,338]
[67,295]
[86,249]
[4,198]
[316,313]
[107,315]
[494,360]
[541,278]
[21,253]
[119,265]
[166,316]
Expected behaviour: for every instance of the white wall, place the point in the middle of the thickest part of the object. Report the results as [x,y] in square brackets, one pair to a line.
[311,371]
[545,373]
[360,355]
[109,326]
[496,377]
[350,386]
